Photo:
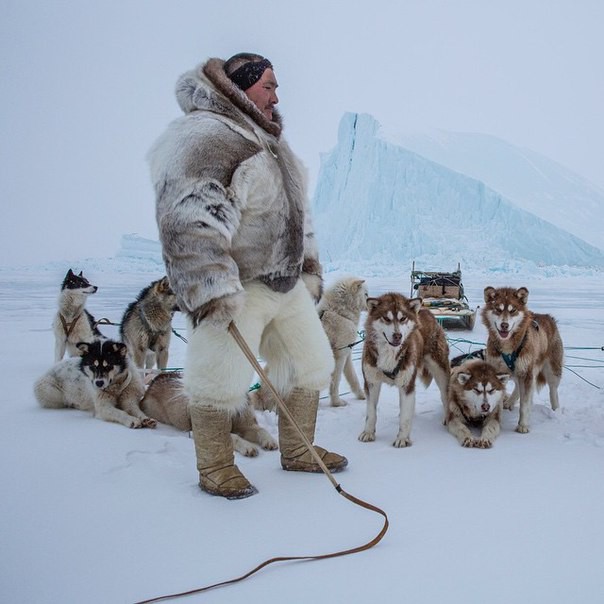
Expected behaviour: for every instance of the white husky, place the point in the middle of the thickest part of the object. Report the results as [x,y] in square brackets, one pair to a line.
[340,310]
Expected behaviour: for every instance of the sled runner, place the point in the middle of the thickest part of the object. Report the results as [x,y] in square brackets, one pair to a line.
[443,295]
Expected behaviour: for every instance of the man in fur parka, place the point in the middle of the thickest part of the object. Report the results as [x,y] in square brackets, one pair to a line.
[238,245]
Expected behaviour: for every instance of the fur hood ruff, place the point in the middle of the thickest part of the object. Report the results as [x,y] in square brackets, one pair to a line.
[231,202]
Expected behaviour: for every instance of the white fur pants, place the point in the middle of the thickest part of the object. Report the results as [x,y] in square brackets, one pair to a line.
[284,329]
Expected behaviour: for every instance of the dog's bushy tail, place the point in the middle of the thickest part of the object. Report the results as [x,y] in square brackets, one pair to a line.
[48,393]
[426,377]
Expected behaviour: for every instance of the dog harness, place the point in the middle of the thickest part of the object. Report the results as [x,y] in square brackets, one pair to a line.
[154,334]
[68,327]
[462,358]
[510,359]
[392,374]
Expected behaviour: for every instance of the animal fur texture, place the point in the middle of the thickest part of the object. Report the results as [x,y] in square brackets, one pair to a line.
[146,326]
[73,323]
[476,395]
[262,399]
[340,311]
[525,343]
[166,401]
[402,341]
[102,381]
[232,203]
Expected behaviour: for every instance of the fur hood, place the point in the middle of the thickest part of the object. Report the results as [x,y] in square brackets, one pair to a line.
[208,87]
[231,202]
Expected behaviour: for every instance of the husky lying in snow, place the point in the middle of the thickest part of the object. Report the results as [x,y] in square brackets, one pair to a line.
[73,323]
[146,326]
[340,310]
[526,344]
[402,340]
[476,395]
[166,401]
[102,380]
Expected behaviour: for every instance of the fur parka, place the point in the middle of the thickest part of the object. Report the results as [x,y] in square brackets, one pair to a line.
[231,200]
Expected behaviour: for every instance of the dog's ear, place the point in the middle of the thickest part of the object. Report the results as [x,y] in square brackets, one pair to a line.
[489,293]
[121,348]
[70,273]
[358,283]
[503,377]
[80,275]
[522,294]
[463,377]
[83,347]
[372,303]
[415,304]
[163,286]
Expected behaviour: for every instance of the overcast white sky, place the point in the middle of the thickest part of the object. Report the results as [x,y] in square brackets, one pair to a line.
[87,86]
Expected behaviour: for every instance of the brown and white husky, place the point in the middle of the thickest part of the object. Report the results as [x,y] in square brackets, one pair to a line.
[166,401]
[526,344]
[476,395]
[402,341]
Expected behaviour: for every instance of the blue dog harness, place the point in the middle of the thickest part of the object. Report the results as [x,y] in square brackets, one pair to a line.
[510,359]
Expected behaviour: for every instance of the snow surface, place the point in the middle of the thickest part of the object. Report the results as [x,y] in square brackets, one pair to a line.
[93,512]
[422,209]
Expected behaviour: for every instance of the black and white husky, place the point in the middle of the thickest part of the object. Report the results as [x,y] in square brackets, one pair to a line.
[103,380]
[73,323]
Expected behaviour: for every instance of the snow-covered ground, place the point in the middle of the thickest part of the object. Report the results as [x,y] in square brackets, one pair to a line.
[93,512]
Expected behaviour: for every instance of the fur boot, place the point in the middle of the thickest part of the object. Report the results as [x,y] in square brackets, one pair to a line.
[218,474]
[303,405]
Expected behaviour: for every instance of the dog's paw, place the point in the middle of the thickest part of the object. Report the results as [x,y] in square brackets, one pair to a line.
[136,423]
[402,441]
[467,442]
[508,403]
[522,429]
[360,395]
[268,443]
[245,447]
[338,402]
[149,422]
[366,437]
[482,443]
[248,450]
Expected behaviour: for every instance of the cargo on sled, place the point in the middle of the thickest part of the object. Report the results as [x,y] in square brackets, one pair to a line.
[443,295]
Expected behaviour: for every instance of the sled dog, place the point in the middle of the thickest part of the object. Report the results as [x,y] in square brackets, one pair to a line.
[476,395]
[402,340]
[526,344]
[73,323]
[102,380]
[146,326]
[166,401]
[340,310]
[462,358]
